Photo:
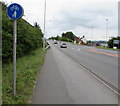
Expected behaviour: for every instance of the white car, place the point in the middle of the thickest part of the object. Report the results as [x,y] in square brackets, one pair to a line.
[63,45]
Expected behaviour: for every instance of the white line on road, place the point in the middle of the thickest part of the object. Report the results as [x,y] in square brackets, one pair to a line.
[104,83]
[98,78]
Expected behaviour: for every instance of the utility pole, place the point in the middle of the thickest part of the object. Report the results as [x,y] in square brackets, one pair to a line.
[44,26]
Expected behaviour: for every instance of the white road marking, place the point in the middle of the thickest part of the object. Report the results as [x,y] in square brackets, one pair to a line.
[107,85]
[104,83]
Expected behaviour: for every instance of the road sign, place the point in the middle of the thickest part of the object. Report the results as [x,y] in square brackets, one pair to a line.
[116,41]
[15,11]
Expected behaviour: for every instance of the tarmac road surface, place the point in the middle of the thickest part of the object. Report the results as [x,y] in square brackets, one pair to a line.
[64,81]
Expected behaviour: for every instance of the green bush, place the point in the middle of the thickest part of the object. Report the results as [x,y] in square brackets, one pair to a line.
[27,73]
[28,37]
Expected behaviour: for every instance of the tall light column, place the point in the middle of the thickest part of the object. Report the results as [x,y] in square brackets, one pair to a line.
[92,34]
[106,30]
[44,26]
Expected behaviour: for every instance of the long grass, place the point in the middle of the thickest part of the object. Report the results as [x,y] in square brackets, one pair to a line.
[28,68]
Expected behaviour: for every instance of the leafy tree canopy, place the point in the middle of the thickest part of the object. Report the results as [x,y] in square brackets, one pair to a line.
[69,35]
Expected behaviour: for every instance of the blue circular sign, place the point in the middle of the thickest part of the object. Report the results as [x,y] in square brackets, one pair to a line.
[15,11]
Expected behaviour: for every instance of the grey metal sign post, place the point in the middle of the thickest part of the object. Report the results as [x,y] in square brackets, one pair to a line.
[14,53]
[14,11]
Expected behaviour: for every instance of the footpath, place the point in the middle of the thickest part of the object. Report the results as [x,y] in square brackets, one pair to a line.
[50,87]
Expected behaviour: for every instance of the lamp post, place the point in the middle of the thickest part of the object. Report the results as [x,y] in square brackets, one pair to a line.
[106,30]
[44,26]
[91,34]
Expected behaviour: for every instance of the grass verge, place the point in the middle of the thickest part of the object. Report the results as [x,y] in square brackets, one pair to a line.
[27,71]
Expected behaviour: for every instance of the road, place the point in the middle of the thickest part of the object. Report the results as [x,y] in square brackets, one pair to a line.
[102,62]
[64,81]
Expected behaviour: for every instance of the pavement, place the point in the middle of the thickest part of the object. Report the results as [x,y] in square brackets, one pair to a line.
[50,87]
[64,81]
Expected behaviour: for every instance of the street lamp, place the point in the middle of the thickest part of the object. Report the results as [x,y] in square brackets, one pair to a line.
[92,34]
[106,30]
[44,26]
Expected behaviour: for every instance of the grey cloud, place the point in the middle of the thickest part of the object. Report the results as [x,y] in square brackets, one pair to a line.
[88,17]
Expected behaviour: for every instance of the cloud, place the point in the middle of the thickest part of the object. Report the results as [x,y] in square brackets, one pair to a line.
[80,17]
[73,15]
[85,17]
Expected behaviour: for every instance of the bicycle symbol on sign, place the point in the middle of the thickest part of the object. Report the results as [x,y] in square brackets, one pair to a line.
[14,7]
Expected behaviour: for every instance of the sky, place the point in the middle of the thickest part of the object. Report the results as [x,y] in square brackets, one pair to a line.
[78,16]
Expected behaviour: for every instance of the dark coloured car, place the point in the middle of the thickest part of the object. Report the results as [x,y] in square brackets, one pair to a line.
[55,42]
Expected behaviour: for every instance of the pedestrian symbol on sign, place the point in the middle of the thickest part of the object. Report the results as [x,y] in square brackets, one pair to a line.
[14,15]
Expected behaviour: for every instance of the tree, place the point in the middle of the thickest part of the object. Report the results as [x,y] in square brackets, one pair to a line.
[28,37]
[36,25]
[110,42]
[63,34]
[68,35]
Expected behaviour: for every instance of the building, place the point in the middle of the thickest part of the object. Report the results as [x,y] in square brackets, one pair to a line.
[80,40]
[101,43]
